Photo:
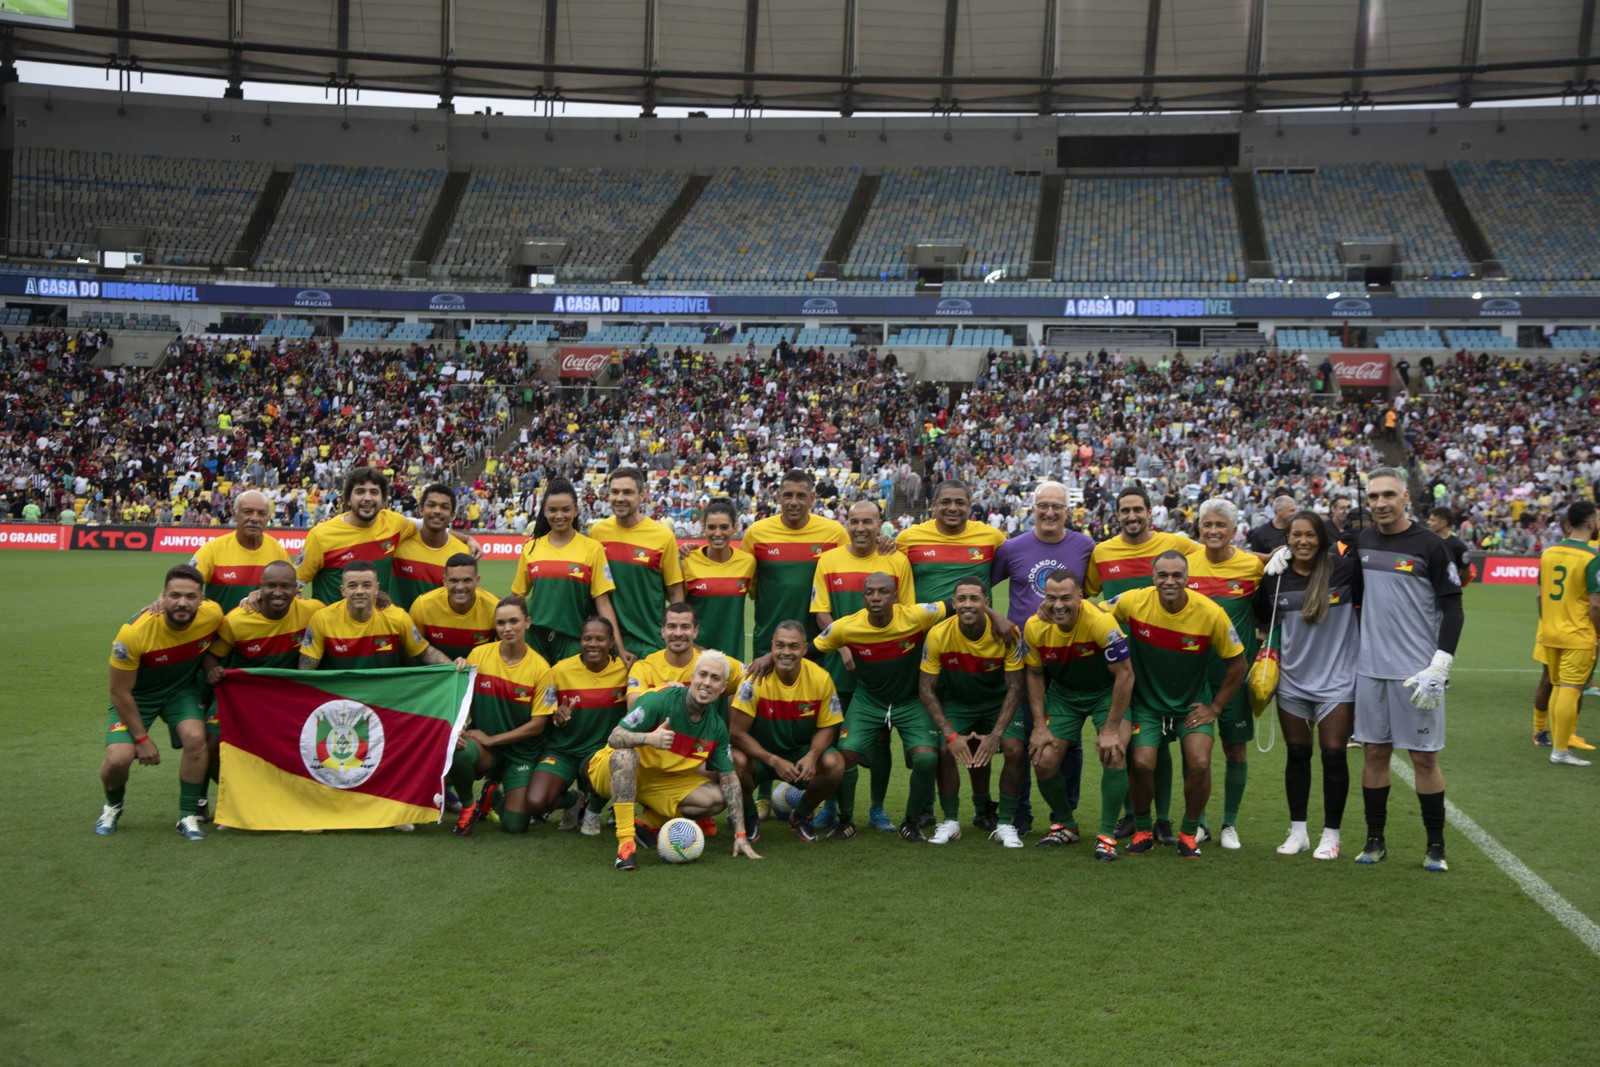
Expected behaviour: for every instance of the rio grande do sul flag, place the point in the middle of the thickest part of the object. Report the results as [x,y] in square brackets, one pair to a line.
[337,750]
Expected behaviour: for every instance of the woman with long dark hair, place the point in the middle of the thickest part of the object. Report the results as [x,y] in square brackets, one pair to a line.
[565,578]
[1315,601]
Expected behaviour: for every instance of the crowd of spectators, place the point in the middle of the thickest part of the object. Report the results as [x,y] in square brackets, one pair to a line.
[175,444]
[1504,442]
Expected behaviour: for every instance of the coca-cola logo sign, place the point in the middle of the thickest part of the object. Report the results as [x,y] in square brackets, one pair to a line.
[1362,368]
[583,362]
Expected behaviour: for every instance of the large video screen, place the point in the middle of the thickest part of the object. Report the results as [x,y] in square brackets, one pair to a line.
[57,13]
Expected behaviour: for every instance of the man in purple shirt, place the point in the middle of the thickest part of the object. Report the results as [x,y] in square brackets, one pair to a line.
[1024,562]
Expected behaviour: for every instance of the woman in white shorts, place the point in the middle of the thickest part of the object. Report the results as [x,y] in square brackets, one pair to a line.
[1315,598]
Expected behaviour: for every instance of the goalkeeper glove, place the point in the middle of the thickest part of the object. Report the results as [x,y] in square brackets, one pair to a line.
[1427,685]
[1278,562]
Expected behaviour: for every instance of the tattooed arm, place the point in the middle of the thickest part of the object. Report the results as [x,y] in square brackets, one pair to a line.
[733,797]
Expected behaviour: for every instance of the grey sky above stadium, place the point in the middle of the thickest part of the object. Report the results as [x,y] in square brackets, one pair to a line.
[1023,56]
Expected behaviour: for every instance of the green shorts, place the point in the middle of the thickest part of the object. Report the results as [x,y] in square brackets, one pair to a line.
[1065,718]
[868,721]
[1152,729]
[512,771]
[1236,724]
[637,647]
[965,720]
[180,708]
[553,645]
[564,765]
[765,774]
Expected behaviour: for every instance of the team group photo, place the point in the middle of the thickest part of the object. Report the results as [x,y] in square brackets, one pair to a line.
[835,530]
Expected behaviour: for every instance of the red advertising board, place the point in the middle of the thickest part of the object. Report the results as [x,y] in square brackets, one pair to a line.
[1509,570]
[1362,369]
[22,535]
[190,538]
[584,362]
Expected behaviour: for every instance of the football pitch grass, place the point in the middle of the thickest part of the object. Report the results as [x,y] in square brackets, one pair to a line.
[382,948]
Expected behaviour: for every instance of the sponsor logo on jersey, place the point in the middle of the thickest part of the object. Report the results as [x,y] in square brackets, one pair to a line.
[1405,566]
[383,644]
[808,707]
[227,576]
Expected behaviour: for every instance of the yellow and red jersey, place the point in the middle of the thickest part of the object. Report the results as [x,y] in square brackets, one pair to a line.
[453,633]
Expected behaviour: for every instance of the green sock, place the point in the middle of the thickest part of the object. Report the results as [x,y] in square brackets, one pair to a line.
[1234,776]
[1054,791]
[566,800]
[879,771]
[189,794]
[214,770]
[1141,821]
[1189,826]
[1164,783]
[950,805]
[806,810]
[981,802]
[845,795]
[514,822]
[114,797]
[924,770]
[1008,808]
[461,774]
[1113,793]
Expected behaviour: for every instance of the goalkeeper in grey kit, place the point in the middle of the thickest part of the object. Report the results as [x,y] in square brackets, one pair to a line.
[1410,623]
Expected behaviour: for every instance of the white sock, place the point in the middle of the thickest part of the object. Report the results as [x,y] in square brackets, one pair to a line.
[1330,834]
[1298,828]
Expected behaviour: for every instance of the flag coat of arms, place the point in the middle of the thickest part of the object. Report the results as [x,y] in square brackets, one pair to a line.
[338,750]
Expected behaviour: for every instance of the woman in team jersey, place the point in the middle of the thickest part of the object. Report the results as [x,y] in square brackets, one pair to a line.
[508,719]
[1315,602]
[565,578]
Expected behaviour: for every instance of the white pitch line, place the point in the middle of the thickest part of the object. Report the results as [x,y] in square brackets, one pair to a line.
[1542,892]
[1495,670]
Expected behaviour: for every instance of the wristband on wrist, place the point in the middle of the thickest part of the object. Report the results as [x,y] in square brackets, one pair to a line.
[141,740]
[741,836]
[950,737]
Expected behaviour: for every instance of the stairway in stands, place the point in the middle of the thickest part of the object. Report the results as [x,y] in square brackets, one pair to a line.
[1468,232]
[261,219]
[1043,261]
[444,209]
[1251,231]
[844,238]
[662,232]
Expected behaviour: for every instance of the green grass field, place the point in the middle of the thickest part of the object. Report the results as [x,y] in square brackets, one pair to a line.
[378,948]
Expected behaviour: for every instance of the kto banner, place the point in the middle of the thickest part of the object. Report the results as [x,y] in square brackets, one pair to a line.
[112,538]
[1509,570]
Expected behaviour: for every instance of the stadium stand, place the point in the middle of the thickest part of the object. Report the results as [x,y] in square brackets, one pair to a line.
[1307,213]
[136,445]
[602,214]
[1584,338]
[988,209]
[360,222]
[1412,339]
[1538,215]
[1149,230]
[194,209]
[759,225]
[1479,340]
[1293,337]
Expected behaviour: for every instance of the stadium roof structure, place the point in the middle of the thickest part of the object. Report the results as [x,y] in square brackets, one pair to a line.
[848,56]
